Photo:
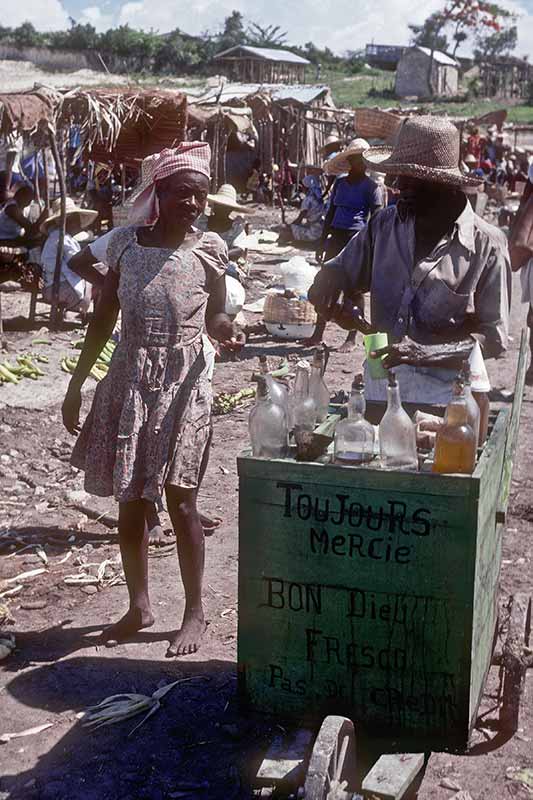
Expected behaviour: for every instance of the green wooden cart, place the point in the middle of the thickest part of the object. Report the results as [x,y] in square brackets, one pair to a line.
[373,594]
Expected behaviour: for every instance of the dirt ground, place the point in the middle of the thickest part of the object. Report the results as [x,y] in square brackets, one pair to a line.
[200,744]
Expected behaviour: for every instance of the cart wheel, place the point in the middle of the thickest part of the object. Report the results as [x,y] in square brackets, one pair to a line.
[517,658]
[331,772]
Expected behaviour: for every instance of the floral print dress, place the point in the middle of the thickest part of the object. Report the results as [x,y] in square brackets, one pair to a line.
[151,415]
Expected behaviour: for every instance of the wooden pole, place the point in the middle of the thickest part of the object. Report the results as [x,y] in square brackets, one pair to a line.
[36,177]
[54,311]
[46,179]
[122,183]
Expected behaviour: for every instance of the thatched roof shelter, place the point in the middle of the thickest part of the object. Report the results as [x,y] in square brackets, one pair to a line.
[124,126]
[23,111]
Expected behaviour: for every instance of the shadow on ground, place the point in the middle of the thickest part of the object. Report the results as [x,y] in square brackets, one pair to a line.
[198,743]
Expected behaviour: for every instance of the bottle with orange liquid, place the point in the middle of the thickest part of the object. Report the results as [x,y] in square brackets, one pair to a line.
[456,445]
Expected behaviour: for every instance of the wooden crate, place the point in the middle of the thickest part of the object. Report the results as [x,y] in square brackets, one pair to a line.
[373,594]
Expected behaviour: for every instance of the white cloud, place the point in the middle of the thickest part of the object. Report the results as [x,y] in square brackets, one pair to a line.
[94,16]
[339,24]
[46,15]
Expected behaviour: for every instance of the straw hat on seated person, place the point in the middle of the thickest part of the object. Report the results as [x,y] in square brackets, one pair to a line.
[87,215]
[331,145]
[227,197]
[339,164]
[427,148]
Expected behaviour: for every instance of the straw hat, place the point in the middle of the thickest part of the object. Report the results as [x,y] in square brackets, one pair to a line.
[426,148]
[339,163]
[227,196]
[87,215]
[470,159]
[332,139]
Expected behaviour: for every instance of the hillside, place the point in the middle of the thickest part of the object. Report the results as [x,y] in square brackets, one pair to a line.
[370,88]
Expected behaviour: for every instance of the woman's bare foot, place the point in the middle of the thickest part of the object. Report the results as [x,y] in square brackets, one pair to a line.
[348,347]
[131,623]
[158,537]
[187,639]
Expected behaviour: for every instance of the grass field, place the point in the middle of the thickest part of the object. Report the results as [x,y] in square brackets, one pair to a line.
[376,88]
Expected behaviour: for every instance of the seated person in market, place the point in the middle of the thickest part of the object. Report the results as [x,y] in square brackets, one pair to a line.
[75,293]
[223,205]
[150,422]
[436,272]
[16,230]
[307,227]
[355,198]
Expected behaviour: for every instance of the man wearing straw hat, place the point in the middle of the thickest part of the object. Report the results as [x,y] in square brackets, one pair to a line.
[74,292]
[436,272]
[355,197]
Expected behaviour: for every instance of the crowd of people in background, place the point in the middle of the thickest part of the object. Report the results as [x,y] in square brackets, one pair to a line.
[489,157]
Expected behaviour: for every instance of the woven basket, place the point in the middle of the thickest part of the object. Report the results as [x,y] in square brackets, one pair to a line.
[289,311]
[372,123]
[120,215]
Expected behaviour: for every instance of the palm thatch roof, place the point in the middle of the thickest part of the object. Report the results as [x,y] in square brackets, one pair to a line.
[124,125]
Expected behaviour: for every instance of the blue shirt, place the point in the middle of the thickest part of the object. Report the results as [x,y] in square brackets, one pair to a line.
[354,203]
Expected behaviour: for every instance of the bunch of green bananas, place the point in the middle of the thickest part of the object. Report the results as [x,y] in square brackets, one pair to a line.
[24,368]
[101,367]
[224,403]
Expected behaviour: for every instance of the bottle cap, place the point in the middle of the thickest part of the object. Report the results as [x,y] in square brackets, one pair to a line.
[262,387]
[358,382]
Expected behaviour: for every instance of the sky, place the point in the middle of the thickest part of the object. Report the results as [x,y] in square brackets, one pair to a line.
[340,24]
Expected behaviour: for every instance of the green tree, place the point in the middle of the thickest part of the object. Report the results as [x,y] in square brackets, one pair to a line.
[496,45]
[234,32]
[268,36]
[429,34]
[26,35]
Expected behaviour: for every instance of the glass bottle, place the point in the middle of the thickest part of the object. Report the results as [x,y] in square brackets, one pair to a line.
[397,433]
[355,437]
[278,393]
[482,399]
[474,412]
[317,386]
[267,425]
[302,409]
[456,445]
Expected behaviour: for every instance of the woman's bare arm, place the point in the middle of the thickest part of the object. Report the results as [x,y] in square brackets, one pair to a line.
[99,330]
[83,265]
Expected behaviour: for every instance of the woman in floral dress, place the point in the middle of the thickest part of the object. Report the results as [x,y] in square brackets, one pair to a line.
[149,424]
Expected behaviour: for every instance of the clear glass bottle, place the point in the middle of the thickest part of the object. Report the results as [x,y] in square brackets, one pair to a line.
[474,412]
[456,445]
[302,409]
[278,392]
[317,386]
[267,425]
[397,433]
[355,437]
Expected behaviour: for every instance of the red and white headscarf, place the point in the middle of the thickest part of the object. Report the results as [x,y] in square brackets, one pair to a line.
[187,157]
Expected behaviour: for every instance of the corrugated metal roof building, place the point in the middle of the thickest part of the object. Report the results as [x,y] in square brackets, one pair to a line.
[262,65]
[413,75]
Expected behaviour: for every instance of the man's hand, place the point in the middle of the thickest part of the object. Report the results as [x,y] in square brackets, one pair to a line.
[405,352]
[71,408]
[325,292]
[450,355]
